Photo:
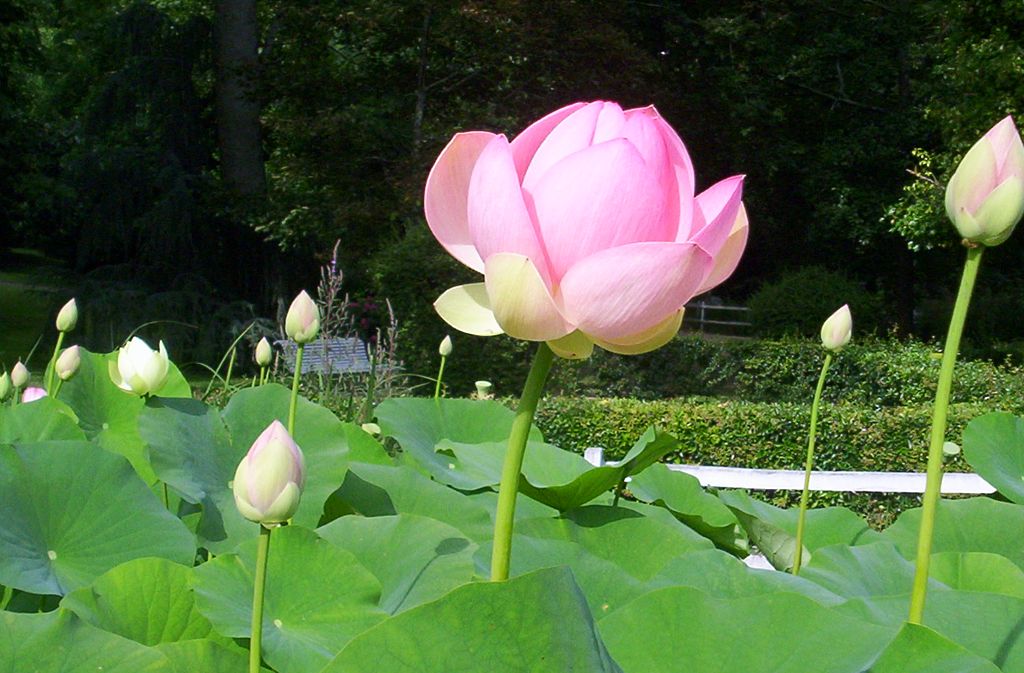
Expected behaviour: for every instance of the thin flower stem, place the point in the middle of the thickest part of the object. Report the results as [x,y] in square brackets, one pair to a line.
[801,518]
[56,388]
[51,366]
[295,390]
[440,374]
[259,583]
[933,483]
[501,554]
[231,365]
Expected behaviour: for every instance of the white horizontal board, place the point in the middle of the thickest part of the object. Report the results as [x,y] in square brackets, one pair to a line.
[793,480]
[863,482]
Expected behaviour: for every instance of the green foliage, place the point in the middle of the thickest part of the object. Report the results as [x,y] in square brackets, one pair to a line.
[765,435]
[868,372]
[396,559]
[412,272]
[801,300]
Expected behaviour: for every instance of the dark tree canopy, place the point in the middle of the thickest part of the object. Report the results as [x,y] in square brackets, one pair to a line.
[226,146]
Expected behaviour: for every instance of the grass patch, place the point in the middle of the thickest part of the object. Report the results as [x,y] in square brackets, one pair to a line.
[30,293]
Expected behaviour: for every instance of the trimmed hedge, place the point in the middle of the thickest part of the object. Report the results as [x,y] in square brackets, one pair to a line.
[767,435]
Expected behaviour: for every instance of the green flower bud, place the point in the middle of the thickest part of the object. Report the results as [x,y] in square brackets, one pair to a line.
[268,482]
[67,318]
[445,349]
[264,353]
[68,362]
[19,375]
[303,320]
[837,330]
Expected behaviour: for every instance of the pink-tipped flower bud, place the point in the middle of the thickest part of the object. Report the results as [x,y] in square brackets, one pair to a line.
[268,482]
[68,363]
[837,330]
[32,393]
[303,320]
[140,369]
[264,353]
[19,375]
[67,318]
[985,196]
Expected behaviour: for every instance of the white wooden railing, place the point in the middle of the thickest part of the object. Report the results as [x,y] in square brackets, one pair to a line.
[793,480]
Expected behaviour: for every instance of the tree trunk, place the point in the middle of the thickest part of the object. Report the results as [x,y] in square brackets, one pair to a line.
[421,84]
[238,109]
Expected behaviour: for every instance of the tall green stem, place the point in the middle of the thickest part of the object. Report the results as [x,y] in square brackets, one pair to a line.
[440,374]
[933,484]
[801,518]
[231,365]
[508,489]
[52,365]
[258,585]
[295,390]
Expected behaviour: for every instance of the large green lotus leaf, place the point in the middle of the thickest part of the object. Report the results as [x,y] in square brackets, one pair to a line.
[37,421]
[318,432]
[640,545]
[474,466]
[364,448]
[994,447]
[560,479]
[419,424]
[875,569]
[773,529]
[108,414]
[978,571]
[721,575]
[59,642]
[416,559]
[918,649]
[682,494]
[683,629]
[381,490]
[192,453]
[537,623]
[205,656]
[989,625]
[975,524]
[72,511]
[318,597]
[604,584]
[148,600]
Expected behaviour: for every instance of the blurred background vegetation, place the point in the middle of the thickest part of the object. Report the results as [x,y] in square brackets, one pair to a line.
[194,163]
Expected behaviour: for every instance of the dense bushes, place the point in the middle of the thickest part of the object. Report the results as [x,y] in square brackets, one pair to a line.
[799,302]
[767,435]
[872,372]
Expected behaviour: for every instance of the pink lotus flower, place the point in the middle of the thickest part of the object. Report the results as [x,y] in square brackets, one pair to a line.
[585,227]
[32,393]
[985,196]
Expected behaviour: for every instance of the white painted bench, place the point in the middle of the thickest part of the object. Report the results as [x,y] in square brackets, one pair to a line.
[341,355]
[783,480]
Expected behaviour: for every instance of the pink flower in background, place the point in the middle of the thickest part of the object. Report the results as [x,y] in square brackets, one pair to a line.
[32,393]
[585,227]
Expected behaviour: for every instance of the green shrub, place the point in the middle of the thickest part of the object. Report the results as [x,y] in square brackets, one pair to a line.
[800,301]
[869,372]
[413,272]
[769,436]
